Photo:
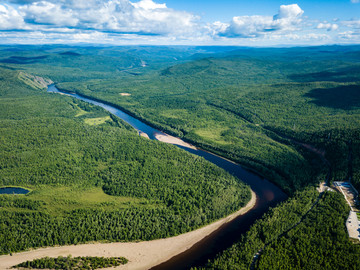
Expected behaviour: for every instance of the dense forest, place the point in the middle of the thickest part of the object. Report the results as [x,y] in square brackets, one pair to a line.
[76,263]
[275,222]
[249,105]
[290,114]
[320,241]
[96,180]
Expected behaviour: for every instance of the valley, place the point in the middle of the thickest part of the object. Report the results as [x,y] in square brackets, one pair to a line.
[257,107]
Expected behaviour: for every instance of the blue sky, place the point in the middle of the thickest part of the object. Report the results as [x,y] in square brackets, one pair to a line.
[171,22]
[212,10]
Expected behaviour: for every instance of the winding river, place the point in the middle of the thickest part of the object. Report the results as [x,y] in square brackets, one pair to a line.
[268,195]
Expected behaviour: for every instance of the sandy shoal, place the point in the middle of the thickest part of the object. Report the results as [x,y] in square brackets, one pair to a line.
[172,140]
[143,134]
[141,255]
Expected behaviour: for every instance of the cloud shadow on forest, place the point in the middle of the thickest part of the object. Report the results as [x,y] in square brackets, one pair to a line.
[342,97]
[348,74]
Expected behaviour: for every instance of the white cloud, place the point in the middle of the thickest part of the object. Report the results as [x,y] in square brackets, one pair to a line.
[151,22]
[217,27]
[148,5]
[155,18]
[289,11]
[40,37]
[89,36]
[249,26]
[315,36]
[10,18]
[143,17]
[48,13]
[287,19]
[352,24]
[355,1]
[327,26]
[21,2]
[350,35]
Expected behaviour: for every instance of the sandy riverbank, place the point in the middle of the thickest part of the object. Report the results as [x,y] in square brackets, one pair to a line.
[143,134]
[141,255]
[173,140]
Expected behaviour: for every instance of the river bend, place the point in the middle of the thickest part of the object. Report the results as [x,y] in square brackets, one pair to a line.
[268,195]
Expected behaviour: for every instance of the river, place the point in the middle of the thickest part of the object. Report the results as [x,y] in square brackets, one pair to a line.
[268,195]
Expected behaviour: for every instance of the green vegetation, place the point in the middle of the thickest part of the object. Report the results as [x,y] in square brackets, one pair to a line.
[95,121]
[76,263]
[34,81]
[98,182]
[244,104]
[265,230]
[320,241]
[291,114]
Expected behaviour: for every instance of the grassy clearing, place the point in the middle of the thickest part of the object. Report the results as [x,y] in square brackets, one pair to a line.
[213,134]
[97,121]
[176,114]
[80,112]
[57,200]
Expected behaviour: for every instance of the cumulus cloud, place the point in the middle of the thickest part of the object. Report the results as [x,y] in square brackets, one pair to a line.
[40,37]
[217,27]
[122,16]
[350,35]
[49,13]
[10,18]
[80,19]
[21,2]
[289,12]
[288,18]
[148,5]
[352,24]
[327,26]
[153,22]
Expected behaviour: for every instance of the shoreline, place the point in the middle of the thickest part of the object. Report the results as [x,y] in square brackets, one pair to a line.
[141,255]
[166,138]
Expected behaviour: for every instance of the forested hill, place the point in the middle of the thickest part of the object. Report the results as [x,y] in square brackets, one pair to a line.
[93,178]
[242,103]
[318,240]
[291,114]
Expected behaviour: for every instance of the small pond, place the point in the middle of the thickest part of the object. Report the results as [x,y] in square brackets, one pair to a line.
[13,190]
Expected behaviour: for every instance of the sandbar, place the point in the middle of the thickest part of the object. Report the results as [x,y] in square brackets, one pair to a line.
[162,137]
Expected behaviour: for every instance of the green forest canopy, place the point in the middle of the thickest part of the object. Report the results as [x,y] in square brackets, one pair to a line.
[96,182]
[250,105]
[232,101]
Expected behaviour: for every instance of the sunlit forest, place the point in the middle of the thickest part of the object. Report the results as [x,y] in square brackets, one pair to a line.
[76,263]
[292,115]
[101,181]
